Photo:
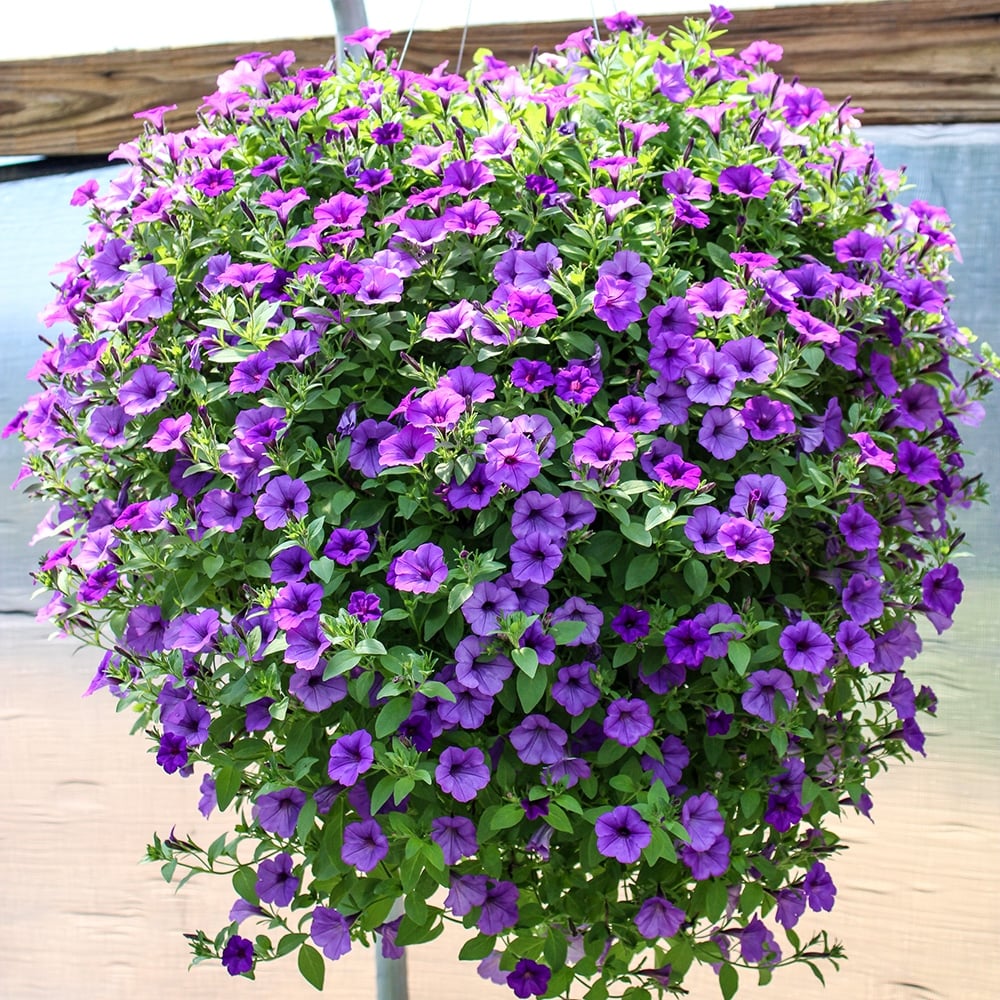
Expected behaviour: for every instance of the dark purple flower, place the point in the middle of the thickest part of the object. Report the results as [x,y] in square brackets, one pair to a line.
[942,589]
[364,606]
[145,630]
[710,863]
[862,598]
[819,888]
[687,643]
[860,530]
[347,546]
[172,753]
[237,955]
[499,907]
[702,820]
[290,565]
[462,774]
[757,944]
[622,834]
[529,978]
[632,624]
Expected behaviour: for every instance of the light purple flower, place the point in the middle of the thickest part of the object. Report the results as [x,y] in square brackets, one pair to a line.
[628,721]
[746,181]
[659,918]
[601,446]
[278,812]
[538,740]
[419,571]
[456,836]
[764,685]
[275,882]
[331,932]
[283,498]
[743,541]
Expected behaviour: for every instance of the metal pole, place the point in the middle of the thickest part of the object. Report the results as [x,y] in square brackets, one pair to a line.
[390,973]
[350,16]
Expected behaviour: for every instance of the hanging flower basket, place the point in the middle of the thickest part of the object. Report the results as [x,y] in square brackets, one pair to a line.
[513,496]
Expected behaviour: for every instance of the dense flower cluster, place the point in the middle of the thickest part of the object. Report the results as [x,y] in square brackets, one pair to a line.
[516,495]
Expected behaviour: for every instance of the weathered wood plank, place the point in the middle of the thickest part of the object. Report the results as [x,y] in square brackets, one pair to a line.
[901,60]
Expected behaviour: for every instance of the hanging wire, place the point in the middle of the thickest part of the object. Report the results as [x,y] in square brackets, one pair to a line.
[413,25]
[465,32]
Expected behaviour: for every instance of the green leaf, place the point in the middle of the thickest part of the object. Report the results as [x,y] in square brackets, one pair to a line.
[641,570]
[526,659]
[565,632]
[312,966]
[341,663]
[531,690]
[392,716]
[245,884]
[635,532]
[289,943]
[739,655]
[506,816]
[212,564]
[411,932]
[729,981]
[477,948]
[227,784]
[383,790]
[696,576]
[555,949]
[458,596]
[369,647]
[581,565]
[558,820]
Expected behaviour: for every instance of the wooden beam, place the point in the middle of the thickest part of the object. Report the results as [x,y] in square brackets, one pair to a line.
[903,61]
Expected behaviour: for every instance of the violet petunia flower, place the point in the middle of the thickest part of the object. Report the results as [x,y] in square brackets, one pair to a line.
[364,845]
[283,499]
[331,932]
[622,834]
[628,721]
[278,812]
[462,774]
[418,571]
[529,978]
[659,918]
[456,836]
[764,685]
[538,740]
[350,757]
[746,180]
[275,882]
[806,646]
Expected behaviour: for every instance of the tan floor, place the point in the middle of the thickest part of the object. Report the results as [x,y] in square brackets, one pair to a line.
[82,920]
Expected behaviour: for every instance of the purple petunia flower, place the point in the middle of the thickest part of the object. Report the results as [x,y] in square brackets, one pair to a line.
[819,888]
[702,820]
[347,546]
[145,391]
[722,433]
[237,955]
[746,180]
[315,693]
[283,498]
[172,753]
[350,757]
[278,812]
[806,646]
[710,863]
[275,882]
[628,721]
[861,598]
[743,541]
[499,908]
[538,740]
[535,557]
[331,932]
[574,688]
[622,834]
[576,383]
[601,446]
[576,609]
[532,376]
[716,298]
[364,845]
[418,571]
[764,685]
[456,836]
[632,624]
[659,918]
[489,601]
[529,978]
[462,774]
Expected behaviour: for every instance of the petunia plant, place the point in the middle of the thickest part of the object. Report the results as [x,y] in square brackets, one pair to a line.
[514,498]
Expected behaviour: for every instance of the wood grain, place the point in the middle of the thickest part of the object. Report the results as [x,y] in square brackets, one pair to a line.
[903,61]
